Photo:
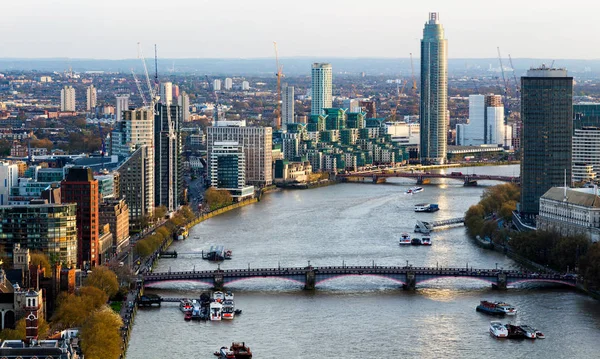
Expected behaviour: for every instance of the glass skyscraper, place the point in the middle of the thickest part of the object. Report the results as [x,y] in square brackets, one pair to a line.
[434,92]
[321,88]
[546,137]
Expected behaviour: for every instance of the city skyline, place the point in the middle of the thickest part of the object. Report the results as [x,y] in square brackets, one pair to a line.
[247,30]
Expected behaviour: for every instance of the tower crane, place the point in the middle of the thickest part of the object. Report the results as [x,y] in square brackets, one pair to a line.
[503,77]
[412,71]
[279,74]
[517,87]
[153,96]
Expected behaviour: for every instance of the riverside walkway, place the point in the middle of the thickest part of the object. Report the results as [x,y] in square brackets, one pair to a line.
[310,276]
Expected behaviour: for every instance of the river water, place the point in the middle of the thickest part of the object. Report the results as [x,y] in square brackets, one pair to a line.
[360,317]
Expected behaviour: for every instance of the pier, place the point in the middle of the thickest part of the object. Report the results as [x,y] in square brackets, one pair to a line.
[427,227]
[310,277]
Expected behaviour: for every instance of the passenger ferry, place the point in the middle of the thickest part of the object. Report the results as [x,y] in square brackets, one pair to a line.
[216,311]
[414,190]
[498,330]
[219,296]
[228,295]
[405,238]
[496,308]
[228,309]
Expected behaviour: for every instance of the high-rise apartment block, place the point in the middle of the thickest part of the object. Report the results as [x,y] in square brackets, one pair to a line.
[217,85]
[184,102]
[287,105]
[486,123]
[166,93]
[67,99]
[434,92]
[322,96]
[547,134]
[168,167]
[136,128]
[257,145]
[115,213]
[91,97]
[245,85]
[9,175]
[586,154]
[122,105]
[79,186]
[228,83]
[176,91]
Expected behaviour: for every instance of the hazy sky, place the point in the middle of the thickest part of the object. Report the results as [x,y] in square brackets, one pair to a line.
[110,29]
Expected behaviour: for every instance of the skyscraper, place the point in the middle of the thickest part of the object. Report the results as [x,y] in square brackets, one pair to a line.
[217,85]
[434,92]
[486,122]
[122,105]
[228,83]
[79,186]
[321,88]
[67,98]
[166,93]
[168,164]
[546,136]
[287,105]
[184,102]
[91,98]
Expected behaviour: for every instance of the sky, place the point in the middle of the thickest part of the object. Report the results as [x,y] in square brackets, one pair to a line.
[111,29]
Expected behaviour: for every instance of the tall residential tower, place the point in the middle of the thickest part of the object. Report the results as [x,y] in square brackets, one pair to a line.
[434,92]
[321,88]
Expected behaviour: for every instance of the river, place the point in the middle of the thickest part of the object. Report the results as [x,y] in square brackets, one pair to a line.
[359,317]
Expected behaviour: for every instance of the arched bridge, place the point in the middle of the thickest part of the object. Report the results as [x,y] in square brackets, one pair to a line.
[311,276]
[424,177]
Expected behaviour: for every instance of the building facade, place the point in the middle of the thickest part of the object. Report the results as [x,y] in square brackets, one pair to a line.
[48,228]
[9,175]
[122,105]
[135,129]
[168,162]
[586,154]
[67,99]
[80,186]
[91,98]
[228,169]
[257,144]
[115,213]
[183,100]
[136,184]
[287,105]
[322,96]
[547,134]
[228,83]
[486,123]
[166,93]
[434,92]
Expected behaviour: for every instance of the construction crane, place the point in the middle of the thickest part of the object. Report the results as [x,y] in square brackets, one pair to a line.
[139,87]
[517,87]
[153,99]
[412,71]
[503,77]
[279,74]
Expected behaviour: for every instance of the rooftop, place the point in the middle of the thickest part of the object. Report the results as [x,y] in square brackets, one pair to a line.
[586,197]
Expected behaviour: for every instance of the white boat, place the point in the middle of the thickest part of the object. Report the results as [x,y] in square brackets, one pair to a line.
[228,309]
[405,238]
[529,332]
[219,297]
[216,311]
[414,190]
[506,308]
[185,305]
[228,296]
[426,207]
[539,335]
[426,241]
[498,330]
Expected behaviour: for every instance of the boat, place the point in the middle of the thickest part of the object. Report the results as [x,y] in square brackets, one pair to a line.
[529,332]
[224,353]
[426,241]
[404,238]
[182,233]
[498,330]
[217,253]
[240,350]
[426,207]
[414,190]
[496,308]
[216,311]
[514,332]
[228,309]
[188,315]
[185,305]
[416,242]
[219,296]
[228,295]
[539,335]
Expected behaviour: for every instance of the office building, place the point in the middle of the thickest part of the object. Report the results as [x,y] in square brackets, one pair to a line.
[79,186]
[434,92]
[67,99]
[586,154]
[586,115]
[547,134]
[115,213]
[486,123]
[136,184]
[228,169]
[135,129]
[91,97]
[183,100]
[39,226]
[9,175]
[287,105]
[166,93]
[217,85]
[168,164]
[245,85]
[228,83]
[257,145]
[322,77]
[122,105]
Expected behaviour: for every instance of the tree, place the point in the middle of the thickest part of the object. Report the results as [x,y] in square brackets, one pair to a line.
[105,279]
[100,337]
[19,332]
[187,213]
[142,248]
[72,311]
[95,297]
[217,198]
[160,212]
[39,258]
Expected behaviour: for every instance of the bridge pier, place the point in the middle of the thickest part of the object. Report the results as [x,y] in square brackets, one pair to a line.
[218,282]
[411,281]
[310,279]
[500,282]
[422,180]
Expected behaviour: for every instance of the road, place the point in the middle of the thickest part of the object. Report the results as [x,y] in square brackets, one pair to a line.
[195,191]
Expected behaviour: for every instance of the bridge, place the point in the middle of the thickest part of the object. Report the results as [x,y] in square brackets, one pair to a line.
[310,276]
[424,177]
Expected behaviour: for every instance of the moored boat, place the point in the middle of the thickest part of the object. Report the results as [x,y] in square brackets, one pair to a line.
[228,309]
[416,241]
[498,330]
[514,332]
[528,331]
[426,241]
[225,353]
[539,335]
[188,315]
[495,308]
[405,238]
[426,207]
[185,305]
[228,295]
[240,350]
[216,311]
[219,296]
[506,308]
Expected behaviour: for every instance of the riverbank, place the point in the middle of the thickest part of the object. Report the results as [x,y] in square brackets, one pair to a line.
[322,183]
[219,211]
